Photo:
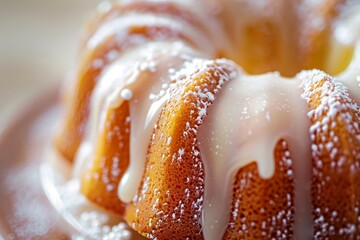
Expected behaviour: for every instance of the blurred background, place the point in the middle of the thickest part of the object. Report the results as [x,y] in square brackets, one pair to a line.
[38,45]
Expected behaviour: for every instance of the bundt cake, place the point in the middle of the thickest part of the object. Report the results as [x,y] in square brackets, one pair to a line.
[165,131]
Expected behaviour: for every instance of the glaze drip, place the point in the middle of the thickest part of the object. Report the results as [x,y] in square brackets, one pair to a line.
[141,78]
[249,116]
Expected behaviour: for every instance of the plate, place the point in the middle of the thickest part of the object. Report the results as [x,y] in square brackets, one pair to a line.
[25,212]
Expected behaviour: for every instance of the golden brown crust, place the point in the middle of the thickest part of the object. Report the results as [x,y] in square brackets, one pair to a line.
[111,159]
[263,208]
[336,160]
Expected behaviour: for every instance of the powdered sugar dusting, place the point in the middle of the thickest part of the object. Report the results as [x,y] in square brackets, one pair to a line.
[335,103]
[213,75]
[30,218]
[336,154]
[86,220]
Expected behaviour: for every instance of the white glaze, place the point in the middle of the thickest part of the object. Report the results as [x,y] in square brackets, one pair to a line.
[250,115]
[119,26]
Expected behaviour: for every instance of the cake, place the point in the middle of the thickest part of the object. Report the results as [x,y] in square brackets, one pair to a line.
[200,120]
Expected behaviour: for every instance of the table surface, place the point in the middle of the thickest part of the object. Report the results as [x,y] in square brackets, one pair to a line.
[38,45]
